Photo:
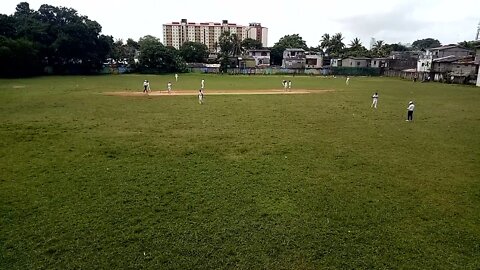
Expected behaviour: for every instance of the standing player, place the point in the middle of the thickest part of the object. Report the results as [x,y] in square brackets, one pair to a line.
[176,77]
[145,86]
[285,85]
[347,81]
[203,84]
[374,100]
[169,87]
[289,85]
[200,96]
[410,109]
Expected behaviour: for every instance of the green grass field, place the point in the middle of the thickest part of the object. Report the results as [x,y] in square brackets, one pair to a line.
[312,181]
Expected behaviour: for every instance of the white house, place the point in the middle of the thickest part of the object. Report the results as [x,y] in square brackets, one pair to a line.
[313,60]
[424,63]
[262,57]
[294,58]
[336,62]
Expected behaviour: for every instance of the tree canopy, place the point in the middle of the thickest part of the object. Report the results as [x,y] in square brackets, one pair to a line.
[194,52]
[288,41]
[156,58]
[426,43]
[57,36]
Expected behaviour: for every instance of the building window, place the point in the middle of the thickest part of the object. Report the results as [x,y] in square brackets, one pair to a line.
[358,63]
[264,53]
[374,62]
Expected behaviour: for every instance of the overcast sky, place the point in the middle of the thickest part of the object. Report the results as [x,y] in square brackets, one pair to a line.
[390,20]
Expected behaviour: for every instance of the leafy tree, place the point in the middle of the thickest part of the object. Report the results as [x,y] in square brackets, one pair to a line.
[156,58]
[7,26]
[396,47]
[469,44]
[251,44]
[426,43]
[288,41]
[59,36]
[336,45]
[230,44]
[18,58]
[356,49]
[194,52]
[379,49]
[325,43]
[230,47]
[355,44]
[132,49]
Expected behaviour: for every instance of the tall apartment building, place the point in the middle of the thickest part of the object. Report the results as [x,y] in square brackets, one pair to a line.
[177,33]
[258,32]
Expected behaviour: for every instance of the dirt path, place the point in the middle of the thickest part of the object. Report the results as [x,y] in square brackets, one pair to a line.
[217,92]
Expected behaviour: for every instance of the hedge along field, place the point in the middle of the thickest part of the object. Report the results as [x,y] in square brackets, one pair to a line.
[244,181]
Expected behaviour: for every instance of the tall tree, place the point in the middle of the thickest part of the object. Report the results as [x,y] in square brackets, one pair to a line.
[288,41]
[469,44]
[336,45]
[396,47]
[379,49]
[156,58]
[251,44]
[194,52]
[325,43]
[426,43]
[230,44]
[356,49]
[355,44]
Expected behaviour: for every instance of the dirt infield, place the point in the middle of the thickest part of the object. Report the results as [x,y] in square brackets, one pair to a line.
[217,92]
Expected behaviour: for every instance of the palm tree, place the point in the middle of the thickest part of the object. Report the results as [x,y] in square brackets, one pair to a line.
[355,44]
[378,45]
[379,48]
[325,42]
[337,46]
[236,45]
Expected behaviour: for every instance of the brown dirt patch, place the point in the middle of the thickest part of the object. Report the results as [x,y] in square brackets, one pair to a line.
[217,92]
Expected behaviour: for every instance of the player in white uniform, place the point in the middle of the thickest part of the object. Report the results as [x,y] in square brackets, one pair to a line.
[169,87]
[347,81]
[203,84]
[176,77]
[200,96]
[374,100]
[289,85]
[145,86]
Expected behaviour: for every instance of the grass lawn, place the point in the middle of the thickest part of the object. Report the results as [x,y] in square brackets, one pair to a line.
[308,181]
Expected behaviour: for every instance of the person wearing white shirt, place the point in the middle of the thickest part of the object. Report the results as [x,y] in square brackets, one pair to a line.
[347,81]
[203,83]
[200,96]
[374,100]
[289,85]
[145,86]
[169,87]
[410,109]
[176,77]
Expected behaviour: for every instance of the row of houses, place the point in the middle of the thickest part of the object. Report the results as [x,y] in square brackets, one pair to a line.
[450,63]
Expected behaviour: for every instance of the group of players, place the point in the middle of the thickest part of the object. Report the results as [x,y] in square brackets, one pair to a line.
[410,108]
[287,86]
[146,88]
